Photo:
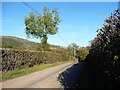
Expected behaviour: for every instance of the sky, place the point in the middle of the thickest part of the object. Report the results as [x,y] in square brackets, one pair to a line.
[80,20]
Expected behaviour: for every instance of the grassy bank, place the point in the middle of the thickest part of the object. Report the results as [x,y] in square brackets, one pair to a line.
[25,71]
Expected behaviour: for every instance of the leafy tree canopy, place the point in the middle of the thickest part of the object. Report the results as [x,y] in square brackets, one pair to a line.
[42,25]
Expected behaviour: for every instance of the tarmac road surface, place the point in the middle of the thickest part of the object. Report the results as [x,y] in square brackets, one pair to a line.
[47,78]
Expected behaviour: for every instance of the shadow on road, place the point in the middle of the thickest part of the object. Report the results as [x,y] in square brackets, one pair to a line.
[70,77]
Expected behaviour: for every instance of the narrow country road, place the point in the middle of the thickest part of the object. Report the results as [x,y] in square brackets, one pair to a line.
[42,79]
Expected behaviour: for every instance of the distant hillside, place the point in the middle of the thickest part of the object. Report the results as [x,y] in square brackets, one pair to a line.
[15,42]
[19,43]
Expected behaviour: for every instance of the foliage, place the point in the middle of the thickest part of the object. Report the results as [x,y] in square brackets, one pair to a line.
[46,48]
[104,54]
[82,52]
[18,59]
[42,25]
[72,49]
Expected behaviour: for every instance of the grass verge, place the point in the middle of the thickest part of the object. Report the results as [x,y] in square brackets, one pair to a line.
[25,71]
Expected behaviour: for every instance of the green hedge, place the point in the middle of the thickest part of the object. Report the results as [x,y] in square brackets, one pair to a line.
[14,59]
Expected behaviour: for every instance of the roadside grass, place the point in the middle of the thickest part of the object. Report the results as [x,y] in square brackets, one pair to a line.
[25,71]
